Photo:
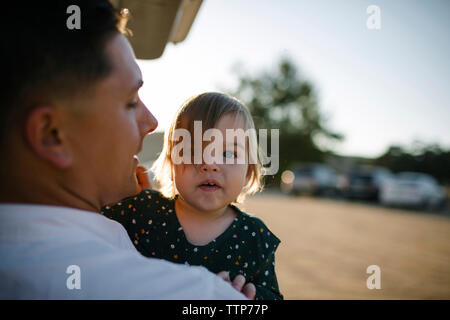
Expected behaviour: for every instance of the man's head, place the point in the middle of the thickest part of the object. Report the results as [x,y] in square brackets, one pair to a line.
[71,117]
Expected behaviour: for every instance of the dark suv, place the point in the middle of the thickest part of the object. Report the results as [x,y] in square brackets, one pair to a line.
[365,184]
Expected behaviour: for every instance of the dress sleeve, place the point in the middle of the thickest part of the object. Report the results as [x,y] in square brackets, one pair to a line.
[264,277]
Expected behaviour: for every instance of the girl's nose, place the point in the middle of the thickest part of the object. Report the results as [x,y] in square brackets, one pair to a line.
[209,167]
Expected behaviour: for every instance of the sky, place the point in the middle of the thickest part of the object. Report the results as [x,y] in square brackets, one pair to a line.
[376,87]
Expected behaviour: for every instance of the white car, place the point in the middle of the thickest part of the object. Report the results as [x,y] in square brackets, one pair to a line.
[412,189]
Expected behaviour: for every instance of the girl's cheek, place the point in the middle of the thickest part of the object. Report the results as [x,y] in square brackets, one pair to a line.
[177,175]
[241,173]
[244,169]
[184,173]
[181,168]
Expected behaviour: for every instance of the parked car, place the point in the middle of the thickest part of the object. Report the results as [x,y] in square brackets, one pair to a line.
[365,183]
[413,189]
[316,179]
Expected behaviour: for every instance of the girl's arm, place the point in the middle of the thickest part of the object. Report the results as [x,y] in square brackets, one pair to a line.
[266,282]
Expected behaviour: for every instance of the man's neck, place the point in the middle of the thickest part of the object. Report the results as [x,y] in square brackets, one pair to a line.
[44,192]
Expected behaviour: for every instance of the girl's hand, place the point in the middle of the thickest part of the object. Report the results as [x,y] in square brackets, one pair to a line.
[142,178]
[249,289]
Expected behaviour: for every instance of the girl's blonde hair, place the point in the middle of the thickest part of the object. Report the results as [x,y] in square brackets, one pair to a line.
[207,107]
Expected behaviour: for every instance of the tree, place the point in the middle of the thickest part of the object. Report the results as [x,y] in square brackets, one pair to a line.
[283,100]
[421,157]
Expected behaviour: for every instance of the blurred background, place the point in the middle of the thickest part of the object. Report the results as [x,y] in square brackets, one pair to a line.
[361,97]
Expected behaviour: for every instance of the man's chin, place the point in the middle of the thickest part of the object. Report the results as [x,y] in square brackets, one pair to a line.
[134,188]
[131,190]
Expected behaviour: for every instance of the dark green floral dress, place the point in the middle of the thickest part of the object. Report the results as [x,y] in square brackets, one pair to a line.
[246,247]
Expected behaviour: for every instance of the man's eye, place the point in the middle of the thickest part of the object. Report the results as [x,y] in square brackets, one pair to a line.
[229,154]
[133,103]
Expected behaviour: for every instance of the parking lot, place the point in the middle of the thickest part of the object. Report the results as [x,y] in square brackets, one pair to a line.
[327,245]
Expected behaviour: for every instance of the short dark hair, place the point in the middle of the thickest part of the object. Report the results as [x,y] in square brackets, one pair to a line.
[41,58]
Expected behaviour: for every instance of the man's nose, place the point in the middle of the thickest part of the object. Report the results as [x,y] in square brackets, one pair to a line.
[148,122]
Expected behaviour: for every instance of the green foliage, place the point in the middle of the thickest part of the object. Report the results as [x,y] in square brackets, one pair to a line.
[283,100]
[431,159]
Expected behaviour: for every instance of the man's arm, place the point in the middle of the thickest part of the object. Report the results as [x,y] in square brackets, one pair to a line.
[125,274]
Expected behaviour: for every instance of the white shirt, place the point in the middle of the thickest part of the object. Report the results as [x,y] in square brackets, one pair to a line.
[38,244]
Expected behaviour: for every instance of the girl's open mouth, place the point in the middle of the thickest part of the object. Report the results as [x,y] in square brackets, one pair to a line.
[208,187]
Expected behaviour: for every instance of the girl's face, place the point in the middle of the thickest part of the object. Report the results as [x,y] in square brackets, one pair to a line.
[229,179]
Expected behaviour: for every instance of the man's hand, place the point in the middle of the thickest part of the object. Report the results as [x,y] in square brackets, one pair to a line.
[249,289]
[142,178]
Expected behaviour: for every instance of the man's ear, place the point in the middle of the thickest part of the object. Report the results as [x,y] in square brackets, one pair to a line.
[43,133]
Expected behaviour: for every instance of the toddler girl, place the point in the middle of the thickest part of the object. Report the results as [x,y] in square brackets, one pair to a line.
[193,219]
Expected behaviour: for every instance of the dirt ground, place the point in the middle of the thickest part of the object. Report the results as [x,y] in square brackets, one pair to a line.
[327,245]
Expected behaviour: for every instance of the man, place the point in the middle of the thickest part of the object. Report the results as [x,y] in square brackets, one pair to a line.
[71,125]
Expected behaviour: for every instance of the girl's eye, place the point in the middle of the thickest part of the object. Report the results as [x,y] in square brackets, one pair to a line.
[229,154]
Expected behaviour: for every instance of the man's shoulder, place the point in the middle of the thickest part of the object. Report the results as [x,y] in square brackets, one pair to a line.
[105,272]
[70,244]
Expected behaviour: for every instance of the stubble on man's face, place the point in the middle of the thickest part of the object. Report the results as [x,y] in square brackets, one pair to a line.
[109,132]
